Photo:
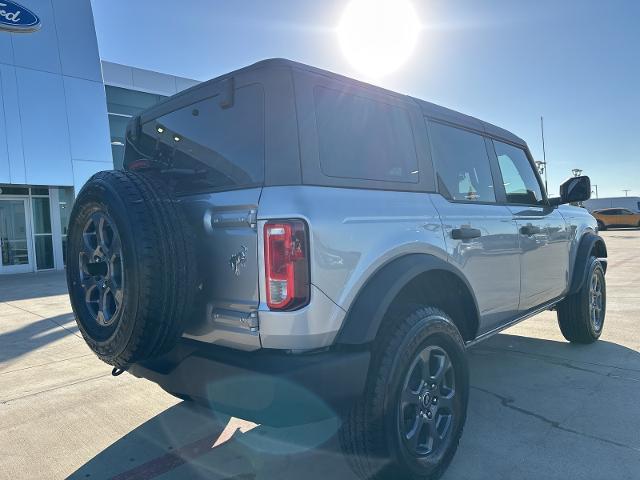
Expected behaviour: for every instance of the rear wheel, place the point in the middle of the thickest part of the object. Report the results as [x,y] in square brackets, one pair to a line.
[581,315]
[409,422]
[601,226]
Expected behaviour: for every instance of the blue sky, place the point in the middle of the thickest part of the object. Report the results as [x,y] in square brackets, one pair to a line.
[505,61]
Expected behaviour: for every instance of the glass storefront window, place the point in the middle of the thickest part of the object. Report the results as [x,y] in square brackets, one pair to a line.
[7,190]
[44,252]
[42,232]
[41,216]
[39,191]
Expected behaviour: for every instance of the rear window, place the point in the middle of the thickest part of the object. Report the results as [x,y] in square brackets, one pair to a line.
[462,164]
[225,144]
[364,139]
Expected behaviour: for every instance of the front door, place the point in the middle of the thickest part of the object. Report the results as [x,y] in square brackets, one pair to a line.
[629,218]
[15,254]
[545,254]
[542,231]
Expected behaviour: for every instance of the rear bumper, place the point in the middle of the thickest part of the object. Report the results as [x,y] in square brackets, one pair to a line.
[267,386]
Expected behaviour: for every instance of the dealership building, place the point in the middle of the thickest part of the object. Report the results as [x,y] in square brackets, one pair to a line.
[63,114]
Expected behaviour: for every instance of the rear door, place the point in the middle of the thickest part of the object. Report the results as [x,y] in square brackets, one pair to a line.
[480,234]
[542,231]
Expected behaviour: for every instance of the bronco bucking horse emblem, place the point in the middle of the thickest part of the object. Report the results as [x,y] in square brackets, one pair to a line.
[238,260]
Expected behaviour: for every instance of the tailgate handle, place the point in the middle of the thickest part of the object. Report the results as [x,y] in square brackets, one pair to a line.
[465,233]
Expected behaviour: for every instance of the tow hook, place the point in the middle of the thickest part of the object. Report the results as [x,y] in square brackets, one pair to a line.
[118,371]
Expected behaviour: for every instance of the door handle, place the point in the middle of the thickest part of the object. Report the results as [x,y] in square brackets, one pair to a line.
[529,230]
[465,233]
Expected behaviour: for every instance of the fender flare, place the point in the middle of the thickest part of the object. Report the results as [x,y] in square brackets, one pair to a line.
[588,242]
[367,311]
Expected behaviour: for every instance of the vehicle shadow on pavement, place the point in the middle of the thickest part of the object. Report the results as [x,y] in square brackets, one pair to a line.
[34,336]
[536,411]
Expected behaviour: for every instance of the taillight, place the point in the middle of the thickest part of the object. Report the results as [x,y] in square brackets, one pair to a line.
[286,254]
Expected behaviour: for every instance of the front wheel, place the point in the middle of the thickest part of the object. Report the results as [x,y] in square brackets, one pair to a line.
[409,422]
[601,226]
[581,315]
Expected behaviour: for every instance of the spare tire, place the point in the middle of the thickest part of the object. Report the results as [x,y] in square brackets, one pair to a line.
[131,270]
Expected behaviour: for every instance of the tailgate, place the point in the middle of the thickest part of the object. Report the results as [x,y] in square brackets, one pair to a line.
[227,242]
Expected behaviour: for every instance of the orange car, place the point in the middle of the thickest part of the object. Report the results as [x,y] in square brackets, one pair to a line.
[616,217]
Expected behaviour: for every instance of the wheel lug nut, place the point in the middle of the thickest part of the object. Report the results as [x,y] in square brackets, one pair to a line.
[434,400]
[429,415]
[433,386]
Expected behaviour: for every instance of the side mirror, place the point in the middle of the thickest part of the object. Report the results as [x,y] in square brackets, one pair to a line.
[576,189]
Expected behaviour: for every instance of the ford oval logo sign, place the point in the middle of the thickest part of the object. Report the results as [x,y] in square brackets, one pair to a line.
[16,18]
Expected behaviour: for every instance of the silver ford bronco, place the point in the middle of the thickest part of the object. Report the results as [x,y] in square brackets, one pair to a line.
[286,244]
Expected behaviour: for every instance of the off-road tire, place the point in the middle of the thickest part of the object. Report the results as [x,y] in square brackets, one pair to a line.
[158,266]
[574,312]
[369,435]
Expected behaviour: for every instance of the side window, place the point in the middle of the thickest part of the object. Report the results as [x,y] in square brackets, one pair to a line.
[462,164]
[626,212]
[520,181]
[365,139]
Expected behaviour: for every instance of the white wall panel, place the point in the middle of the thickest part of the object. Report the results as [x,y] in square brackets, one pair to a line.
[117,75]
[82,171]
[13,123]
[77,41]
[45,131]
[38,50]
[6,50]
[5,176]
[184,83]
[88,121]
[154,82]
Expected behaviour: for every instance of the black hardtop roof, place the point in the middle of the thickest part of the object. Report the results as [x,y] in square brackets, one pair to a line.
[428,109]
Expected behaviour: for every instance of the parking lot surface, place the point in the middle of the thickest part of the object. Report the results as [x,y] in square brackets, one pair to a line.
[539,407]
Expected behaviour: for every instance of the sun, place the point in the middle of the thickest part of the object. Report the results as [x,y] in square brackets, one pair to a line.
[378,36]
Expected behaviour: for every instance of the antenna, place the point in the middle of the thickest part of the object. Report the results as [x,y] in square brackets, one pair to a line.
[544,155]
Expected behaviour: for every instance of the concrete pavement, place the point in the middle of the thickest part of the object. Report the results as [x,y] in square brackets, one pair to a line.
[539,407]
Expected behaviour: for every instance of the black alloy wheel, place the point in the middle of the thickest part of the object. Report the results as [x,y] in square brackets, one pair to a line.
[596,300]
[101,269]
[426,412]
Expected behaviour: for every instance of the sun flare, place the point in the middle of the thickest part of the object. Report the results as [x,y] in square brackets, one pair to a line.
[378,36]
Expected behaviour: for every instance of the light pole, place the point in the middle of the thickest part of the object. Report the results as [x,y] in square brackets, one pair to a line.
[576,172]
[596,187]
[626,192]
[542,166]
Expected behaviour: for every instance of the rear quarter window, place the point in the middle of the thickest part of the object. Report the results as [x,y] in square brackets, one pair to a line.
[361,138]
[225,143]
